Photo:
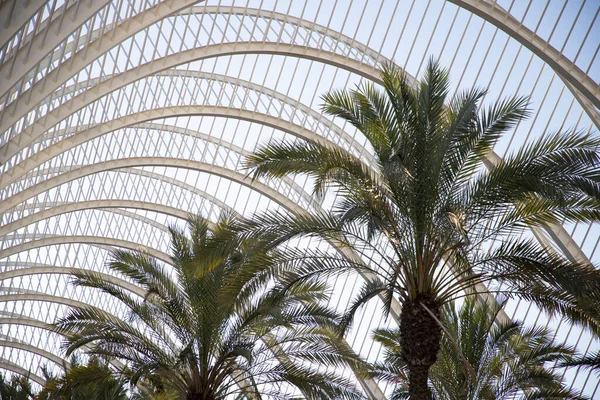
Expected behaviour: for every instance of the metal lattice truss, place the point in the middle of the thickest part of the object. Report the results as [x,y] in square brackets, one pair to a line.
[118,118]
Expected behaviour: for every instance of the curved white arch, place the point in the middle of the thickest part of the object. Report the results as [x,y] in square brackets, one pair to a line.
[14,14]
[41,269]
[10,366]
[71,106]
[91,240]
[248,85]
[93,50]
[133,121]
[16,111]
[47,39]
[86,205]
[565,68]
[151,175]
[176,111]
[234,10]
[129,214]
[19,319]
[61,362]
[146,161]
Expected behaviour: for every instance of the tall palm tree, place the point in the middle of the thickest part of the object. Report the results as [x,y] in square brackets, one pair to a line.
[482,359]
[224,320]
[434,223]
[17,388]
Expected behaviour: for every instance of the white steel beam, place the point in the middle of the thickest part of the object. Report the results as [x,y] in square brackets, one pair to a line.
[45,41]
[141,162]
[38,269]
[29,135]
[10,366]
[95,131]
[81,59]
[87,205]
[252,12]
[14,14]
[7,319]
[148,174]
[564,68]
[91,240]
[61,362]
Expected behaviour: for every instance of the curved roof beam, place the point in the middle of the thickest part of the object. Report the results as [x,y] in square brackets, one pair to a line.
[93,50]
[251,86]
[243,11]
[141,162]
[75,104]
[48,153]
[37,159]
[15,14]
[91,204]
[147,174]
[564,68]
[42,269]
[50,206]
[91,240]
[47,39]
[10,366]
[43,297]
[17,344]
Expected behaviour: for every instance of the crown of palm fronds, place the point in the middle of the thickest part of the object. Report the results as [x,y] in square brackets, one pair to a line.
[225,319]
[426,216]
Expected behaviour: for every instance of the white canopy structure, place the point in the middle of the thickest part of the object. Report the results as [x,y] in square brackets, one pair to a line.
[121,117]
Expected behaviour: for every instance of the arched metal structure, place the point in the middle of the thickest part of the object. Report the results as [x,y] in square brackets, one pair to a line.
[121,114]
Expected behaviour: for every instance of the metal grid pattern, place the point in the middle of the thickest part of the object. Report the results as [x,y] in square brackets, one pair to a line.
[117,118]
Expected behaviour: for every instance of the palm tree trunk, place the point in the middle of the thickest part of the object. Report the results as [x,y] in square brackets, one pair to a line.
[420,337]
[417,385]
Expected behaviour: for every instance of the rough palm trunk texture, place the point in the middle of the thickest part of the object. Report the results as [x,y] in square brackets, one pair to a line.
[420,336]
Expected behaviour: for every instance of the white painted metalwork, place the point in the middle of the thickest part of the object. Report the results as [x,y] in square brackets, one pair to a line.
[117,118]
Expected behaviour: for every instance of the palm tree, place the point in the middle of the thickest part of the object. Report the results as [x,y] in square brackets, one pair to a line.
[481,359]
[91,381]
[17,388]
[434,222]
[225,320]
